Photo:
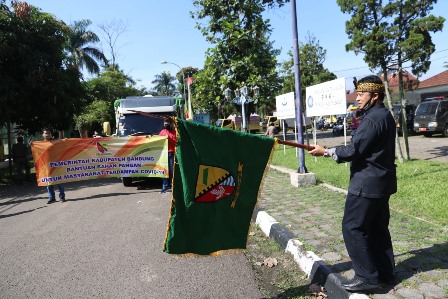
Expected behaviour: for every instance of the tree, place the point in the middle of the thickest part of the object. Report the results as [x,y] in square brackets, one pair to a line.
[80,43]
[312,71]
[164,83]
[36,88]
[101,92]
[112,31]
[242,53]
[393,34]
[92,117]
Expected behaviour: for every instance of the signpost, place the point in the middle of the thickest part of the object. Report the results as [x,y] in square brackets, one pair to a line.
[286,109]
[285,105]
[327,98]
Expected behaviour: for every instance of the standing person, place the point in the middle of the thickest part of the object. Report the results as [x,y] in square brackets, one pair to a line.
[168,130]
[47,135]
[372,181]
[270,131]
[20,158]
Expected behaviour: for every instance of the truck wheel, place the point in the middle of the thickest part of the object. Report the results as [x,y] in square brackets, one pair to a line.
[445,131]
[127,182]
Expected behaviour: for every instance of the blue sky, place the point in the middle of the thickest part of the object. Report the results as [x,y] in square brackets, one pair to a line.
[163,30]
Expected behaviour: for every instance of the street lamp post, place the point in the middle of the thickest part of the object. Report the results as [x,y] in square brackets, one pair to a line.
[183,77]
[242,98]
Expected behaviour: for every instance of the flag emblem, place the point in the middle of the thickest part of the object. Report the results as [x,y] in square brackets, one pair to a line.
[213,184]
[102,148]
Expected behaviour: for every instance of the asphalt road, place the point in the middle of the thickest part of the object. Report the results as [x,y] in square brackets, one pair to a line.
[104,242]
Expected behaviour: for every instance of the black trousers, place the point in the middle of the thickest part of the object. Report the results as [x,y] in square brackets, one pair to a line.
[365,228]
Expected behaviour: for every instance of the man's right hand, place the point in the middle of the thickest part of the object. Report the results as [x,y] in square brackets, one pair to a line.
[317,151]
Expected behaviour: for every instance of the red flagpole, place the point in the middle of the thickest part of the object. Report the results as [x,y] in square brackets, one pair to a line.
[294,144]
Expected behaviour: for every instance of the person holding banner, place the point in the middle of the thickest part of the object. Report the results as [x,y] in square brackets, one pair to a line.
[168,130]
[372,181]
[47,135]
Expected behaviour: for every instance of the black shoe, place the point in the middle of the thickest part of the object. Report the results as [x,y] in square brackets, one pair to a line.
[63,200]
[163,190]
[51,201]
[357,285]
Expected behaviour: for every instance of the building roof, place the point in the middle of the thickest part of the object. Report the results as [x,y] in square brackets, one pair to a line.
[408,79]
[351,97]
[440,79]
[437,80]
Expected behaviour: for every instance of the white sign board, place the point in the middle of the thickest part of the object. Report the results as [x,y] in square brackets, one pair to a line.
[285,104]
[327,98]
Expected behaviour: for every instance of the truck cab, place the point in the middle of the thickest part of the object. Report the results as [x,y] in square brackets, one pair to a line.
[225,123]
[132,123]
[268,119]
[234,122]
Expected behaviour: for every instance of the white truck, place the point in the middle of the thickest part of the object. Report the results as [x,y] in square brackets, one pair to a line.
[131,123]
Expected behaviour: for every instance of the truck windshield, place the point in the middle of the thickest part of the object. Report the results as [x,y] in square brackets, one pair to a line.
[137,124]
[426,108]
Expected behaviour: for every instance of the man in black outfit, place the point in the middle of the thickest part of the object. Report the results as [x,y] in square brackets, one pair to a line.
[372,181]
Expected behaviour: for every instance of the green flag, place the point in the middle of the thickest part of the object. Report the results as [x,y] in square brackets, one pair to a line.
[217,178]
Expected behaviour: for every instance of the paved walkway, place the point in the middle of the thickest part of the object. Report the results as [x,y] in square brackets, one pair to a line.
[307,223]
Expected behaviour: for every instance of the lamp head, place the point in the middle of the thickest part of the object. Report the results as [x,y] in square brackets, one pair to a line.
[227,93]
[256,90]
[237,93]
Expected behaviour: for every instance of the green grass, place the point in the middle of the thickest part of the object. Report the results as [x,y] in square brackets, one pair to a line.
[422,185]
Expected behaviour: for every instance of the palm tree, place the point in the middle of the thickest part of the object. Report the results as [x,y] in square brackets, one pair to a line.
[79,45]
[164,83]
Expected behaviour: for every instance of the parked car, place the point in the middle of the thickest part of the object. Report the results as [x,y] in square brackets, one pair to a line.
[410,111]
[431,117]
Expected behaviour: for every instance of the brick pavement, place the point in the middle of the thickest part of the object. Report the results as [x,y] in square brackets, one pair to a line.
[313,216]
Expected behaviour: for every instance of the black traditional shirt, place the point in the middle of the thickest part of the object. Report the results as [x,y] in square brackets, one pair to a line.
[372,155]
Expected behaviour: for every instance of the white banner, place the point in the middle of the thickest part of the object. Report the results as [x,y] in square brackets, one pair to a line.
[285,105]
[327,98]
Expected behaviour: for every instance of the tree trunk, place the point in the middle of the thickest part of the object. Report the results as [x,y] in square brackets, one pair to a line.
[398,151]
[404,123]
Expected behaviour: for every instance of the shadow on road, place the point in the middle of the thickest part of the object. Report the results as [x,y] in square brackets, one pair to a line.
[14,195]
[440,151]
[18,213]
[419,261]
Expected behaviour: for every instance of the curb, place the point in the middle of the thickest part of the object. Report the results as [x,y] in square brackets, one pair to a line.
[315,268]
